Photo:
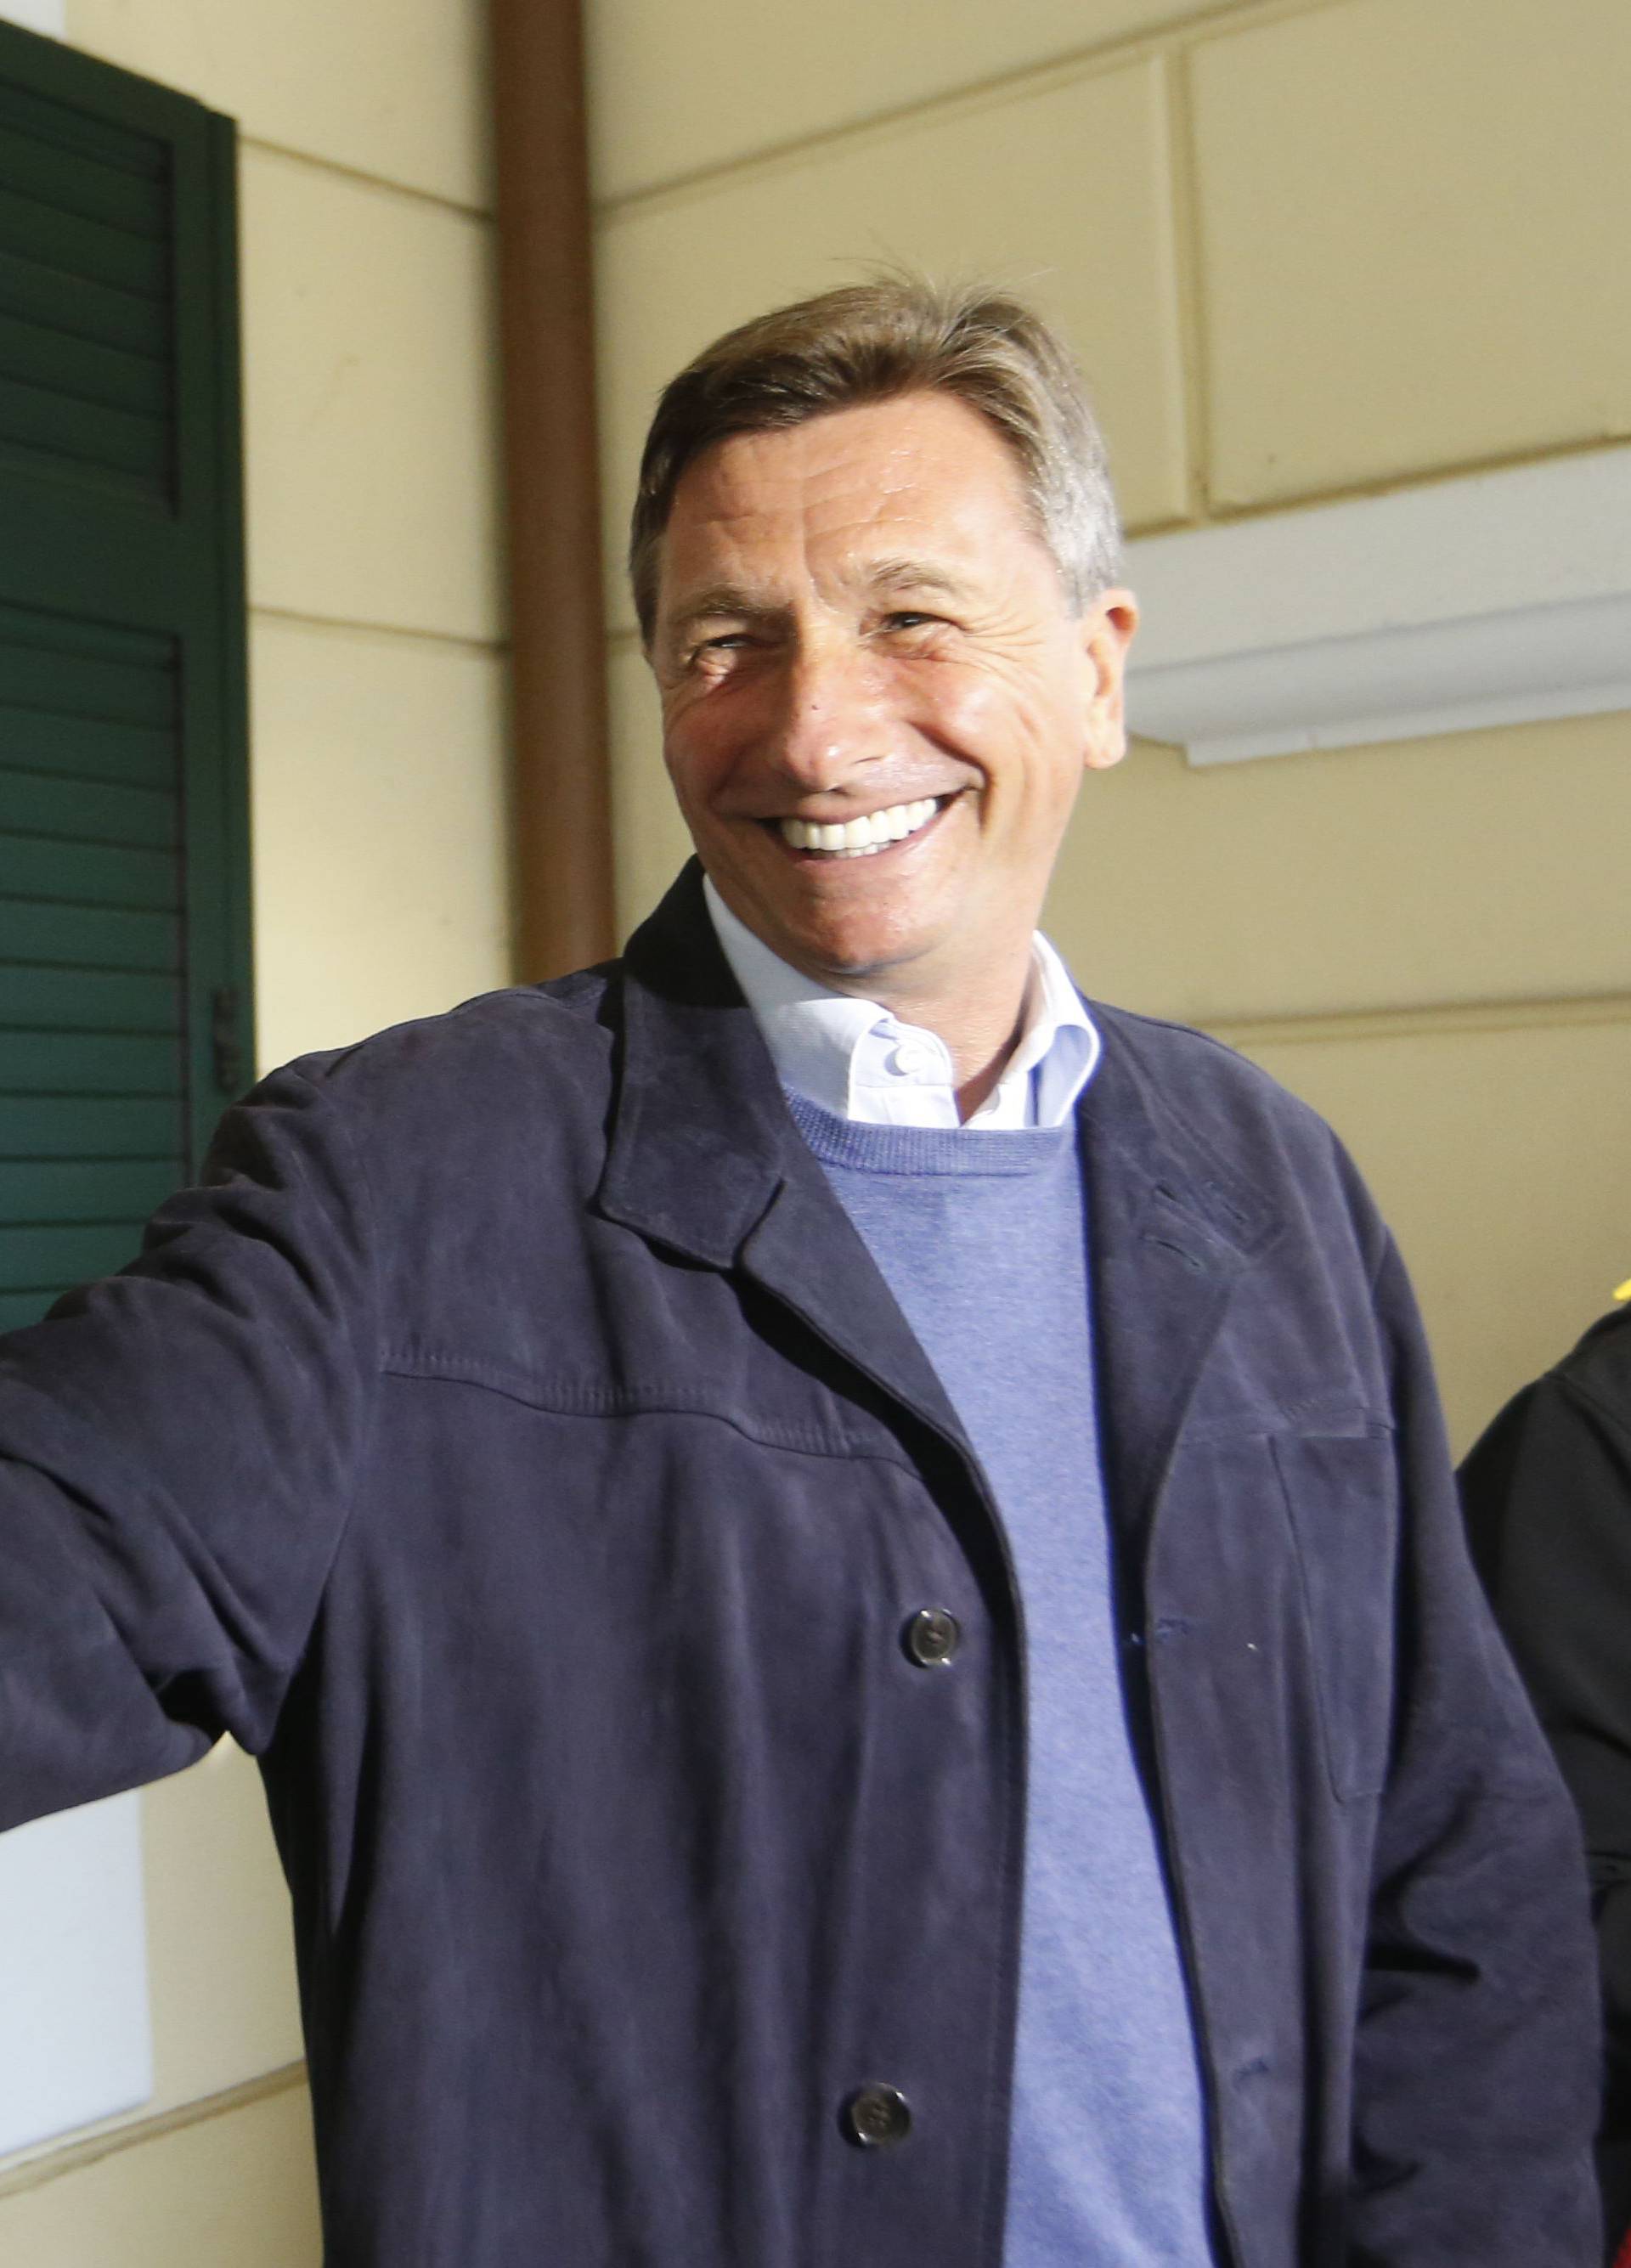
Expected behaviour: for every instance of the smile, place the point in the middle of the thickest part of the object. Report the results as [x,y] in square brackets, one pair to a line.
[859,838]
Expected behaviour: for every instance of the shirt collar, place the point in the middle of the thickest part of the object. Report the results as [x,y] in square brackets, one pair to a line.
[854,1058]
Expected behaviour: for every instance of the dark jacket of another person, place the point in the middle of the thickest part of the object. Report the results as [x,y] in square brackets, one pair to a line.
[1547,1493]
[514,1445]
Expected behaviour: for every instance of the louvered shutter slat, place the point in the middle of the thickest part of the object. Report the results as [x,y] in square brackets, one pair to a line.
[87,1000]
[38,803]
[49,1126]
[84,1189]
[88,750]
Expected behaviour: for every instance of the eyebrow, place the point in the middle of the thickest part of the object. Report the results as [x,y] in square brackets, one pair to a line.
[723,599]
[907,573]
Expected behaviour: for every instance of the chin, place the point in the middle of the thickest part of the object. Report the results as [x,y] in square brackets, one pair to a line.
[850,952]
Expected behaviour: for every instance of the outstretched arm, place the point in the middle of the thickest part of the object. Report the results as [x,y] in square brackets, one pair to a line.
[176,1446]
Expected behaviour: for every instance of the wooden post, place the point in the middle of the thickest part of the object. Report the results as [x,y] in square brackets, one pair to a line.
[562,802]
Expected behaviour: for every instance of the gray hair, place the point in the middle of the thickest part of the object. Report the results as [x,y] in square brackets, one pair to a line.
[898,334]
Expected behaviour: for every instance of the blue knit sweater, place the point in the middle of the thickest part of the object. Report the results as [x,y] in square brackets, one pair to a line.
[982,1238]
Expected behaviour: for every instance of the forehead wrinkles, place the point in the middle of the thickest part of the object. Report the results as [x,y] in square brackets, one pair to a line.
[872,518]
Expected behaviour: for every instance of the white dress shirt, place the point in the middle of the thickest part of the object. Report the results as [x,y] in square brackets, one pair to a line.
[854,1058]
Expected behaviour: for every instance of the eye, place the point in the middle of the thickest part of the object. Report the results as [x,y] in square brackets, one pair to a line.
[717,648]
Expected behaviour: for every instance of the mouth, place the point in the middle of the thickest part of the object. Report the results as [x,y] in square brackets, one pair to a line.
[859,838]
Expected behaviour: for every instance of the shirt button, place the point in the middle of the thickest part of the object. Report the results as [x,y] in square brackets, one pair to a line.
[877,2117]
[931,1637]
[911,1059]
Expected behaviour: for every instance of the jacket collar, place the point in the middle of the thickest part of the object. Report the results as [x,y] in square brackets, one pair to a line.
[705,1158]
[1171,1231]
[700,1136]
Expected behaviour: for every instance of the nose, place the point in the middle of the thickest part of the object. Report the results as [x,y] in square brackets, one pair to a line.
[827,722]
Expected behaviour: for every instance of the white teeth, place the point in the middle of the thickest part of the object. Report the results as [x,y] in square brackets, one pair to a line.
[857,838]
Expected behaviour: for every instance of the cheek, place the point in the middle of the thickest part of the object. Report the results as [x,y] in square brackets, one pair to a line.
[692,752]
[969,710]
[1024,738]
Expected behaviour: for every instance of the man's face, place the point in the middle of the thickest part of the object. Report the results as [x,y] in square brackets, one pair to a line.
[856,622]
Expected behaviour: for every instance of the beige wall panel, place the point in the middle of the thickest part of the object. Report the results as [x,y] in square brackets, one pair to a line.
[1477,866]
[380,807]
[1081,222]
[650,840]
[674,89]
[1413,215]
[392,87]
[1501,1159]
[221,1958]
[237,2191]
[370,394]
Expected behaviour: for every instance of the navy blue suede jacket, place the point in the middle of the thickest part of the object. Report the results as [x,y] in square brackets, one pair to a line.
[513,1446]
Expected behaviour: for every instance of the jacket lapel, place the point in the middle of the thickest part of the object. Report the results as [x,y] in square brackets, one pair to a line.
[705,1158]
[1168,1239]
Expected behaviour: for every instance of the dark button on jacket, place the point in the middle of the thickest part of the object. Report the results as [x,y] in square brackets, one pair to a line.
[877,2116]
[467,1447]
[933,1637]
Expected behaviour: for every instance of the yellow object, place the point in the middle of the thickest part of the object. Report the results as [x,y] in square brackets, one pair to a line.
[1623,1291]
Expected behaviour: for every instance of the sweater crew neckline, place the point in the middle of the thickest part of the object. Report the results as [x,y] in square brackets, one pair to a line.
[857,1147]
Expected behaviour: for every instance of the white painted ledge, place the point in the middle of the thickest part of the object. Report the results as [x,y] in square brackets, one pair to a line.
[1496,600]
[50,16]
[75,2039]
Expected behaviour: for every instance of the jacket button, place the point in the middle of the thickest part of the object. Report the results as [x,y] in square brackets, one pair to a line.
[931,1637]
[877,2117]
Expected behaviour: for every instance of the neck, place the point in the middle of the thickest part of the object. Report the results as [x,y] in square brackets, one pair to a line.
[977,1011]
[980,1026]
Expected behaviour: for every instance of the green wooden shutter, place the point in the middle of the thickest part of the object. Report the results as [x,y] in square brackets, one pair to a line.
[124,950]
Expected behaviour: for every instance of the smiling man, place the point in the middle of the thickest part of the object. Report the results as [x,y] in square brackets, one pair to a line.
[877,704]
[842,1566]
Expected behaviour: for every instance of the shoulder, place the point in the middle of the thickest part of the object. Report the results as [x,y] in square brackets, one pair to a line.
[540,1033]
[526,1072]
[1599,1369]
[1254,1149]
[1192,1063]
[1220,1100]
[1590,1386]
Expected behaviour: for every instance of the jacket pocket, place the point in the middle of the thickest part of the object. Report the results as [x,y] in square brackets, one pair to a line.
[1342,1493]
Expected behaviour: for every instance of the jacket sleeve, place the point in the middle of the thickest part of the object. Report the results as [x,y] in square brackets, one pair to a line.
[1476,2062]
[176,1450]
[1547,1496]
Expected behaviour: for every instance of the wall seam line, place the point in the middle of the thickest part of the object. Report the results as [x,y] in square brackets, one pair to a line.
[1565,1011]
[1183,159]
[437,199]
[1096,60]
[348,625]
[36,2173]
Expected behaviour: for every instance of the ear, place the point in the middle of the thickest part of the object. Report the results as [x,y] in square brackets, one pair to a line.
[1107,631]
